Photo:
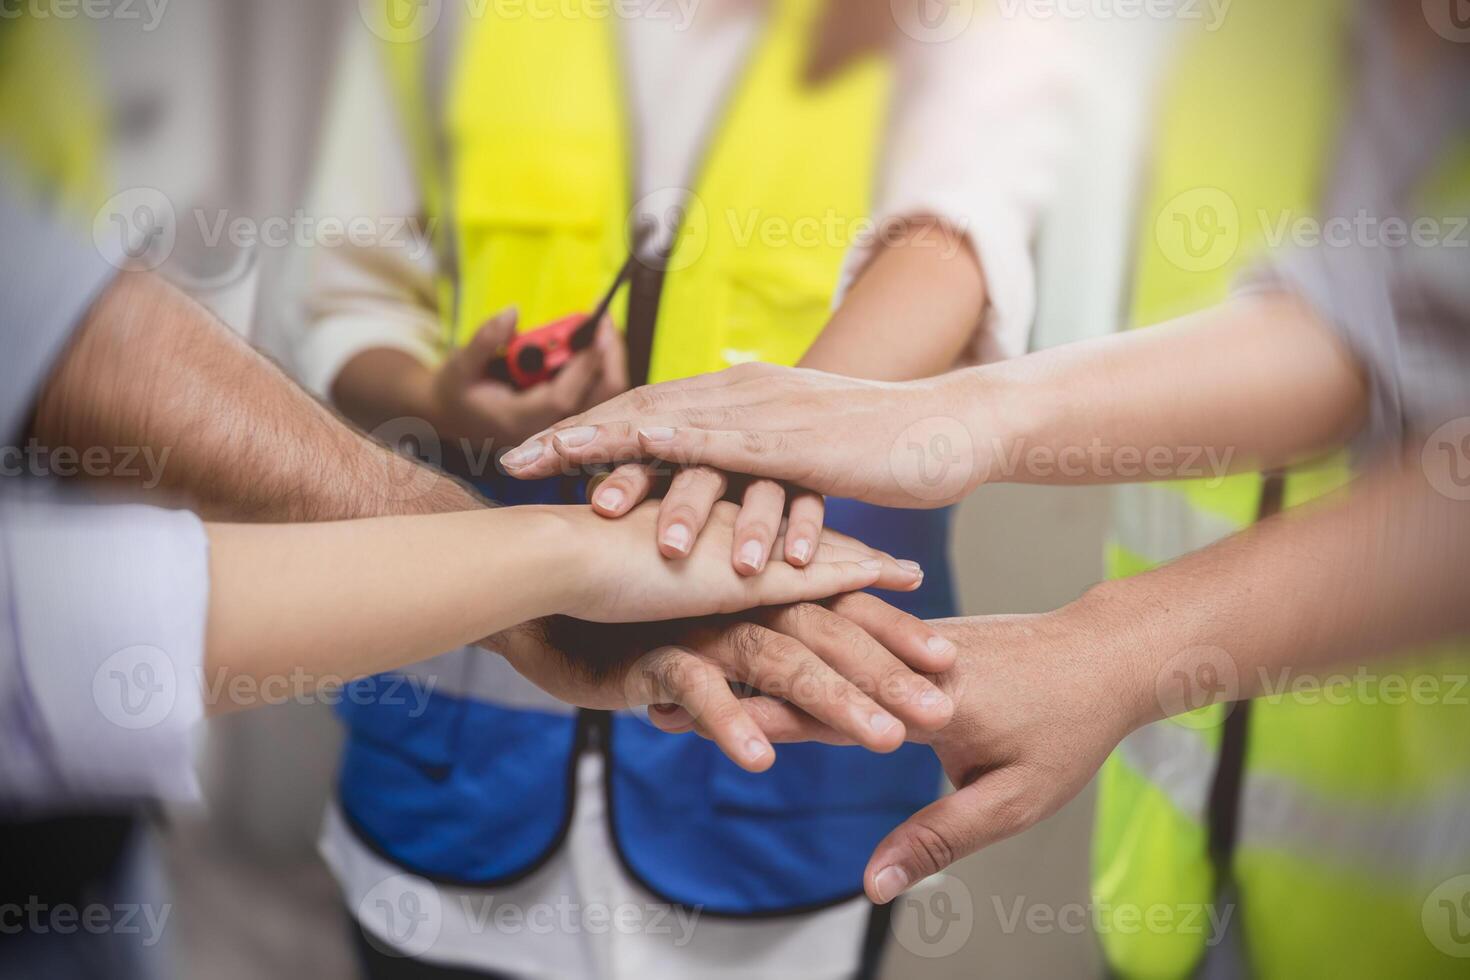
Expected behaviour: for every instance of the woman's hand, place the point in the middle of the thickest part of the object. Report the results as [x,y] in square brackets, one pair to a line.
[466,403]
[615,572]
[912,444]
[693,490]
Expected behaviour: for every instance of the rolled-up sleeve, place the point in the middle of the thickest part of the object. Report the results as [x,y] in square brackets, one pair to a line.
[1404,312]
[978,133]
[102,623]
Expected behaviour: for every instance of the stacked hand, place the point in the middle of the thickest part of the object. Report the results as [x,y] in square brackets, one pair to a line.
[1039,702]
[855,665]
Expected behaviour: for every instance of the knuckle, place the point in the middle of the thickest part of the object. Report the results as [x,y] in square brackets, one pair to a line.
[645,400]
[930,847]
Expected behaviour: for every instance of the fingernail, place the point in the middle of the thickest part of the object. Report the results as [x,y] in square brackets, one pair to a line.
[577,436]
[801,550]
[755,750]
[610,498]
[938,644]
[752,555]
[677,537]
[657,433]
[881,723]
[912,567]
[890,883]
[934,699]
[871,564]
[523,455]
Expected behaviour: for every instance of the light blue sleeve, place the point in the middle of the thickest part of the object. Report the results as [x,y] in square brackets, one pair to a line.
[102,621]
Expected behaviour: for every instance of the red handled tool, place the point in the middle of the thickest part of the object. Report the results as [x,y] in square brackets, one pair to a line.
[539,355]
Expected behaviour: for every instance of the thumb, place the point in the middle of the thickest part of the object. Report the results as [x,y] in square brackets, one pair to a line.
[946,830]
[488,341]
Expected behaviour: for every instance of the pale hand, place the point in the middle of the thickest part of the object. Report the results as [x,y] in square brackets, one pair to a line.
[913,444]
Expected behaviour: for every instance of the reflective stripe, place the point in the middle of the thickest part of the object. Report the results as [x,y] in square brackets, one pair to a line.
[1403,840]
[1158,523]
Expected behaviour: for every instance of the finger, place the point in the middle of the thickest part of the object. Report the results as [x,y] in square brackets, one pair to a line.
[781,665]
[897,574]
[623,489]
[783,722]
[533,458]
[671,718]
[804,525]
[675,675]
[917,643]
[867,664]
[756,525]
[475,357]
[568,391]
[686,508]
[781,583]
[946,830]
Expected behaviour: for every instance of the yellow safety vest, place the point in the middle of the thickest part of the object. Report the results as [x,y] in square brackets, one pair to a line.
[53,124]
[1352,854]
[534,149]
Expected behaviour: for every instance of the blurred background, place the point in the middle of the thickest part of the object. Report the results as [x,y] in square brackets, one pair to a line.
[221,110]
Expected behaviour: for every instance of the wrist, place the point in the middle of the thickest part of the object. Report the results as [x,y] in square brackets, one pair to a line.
[1121,639]
[565,550]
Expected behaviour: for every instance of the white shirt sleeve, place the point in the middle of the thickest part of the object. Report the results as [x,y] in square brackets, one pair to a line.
[373,292]
[978,130]
[102,622]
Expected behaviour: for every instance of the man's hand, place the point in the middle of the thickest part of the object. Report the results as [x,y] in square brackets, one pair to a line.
[466,403]
[1039,701]
[855,664]
[911,444]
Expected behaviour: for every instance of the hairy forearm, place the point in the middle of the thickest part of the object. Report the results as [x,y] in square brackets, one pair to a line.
[1252,384]
[346,599]
[151,370]
[910,314]
[1374,569]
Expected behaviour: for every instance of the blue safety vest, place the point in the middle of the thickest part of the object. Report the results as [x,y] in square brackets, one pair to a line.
[475,794]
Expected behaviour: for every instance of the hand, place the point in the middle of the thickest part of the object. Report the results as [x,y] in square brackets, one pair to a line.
[615,573]
[851,664]
[691,493]
[466,403]
[1040,701]
[911,444]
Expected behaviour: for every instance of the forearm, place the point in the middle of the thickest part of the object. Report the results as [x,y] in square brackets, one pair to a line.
[1252,384]
[910,314]
[1374,569]
[382,384]
[236,439]
[350,598]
